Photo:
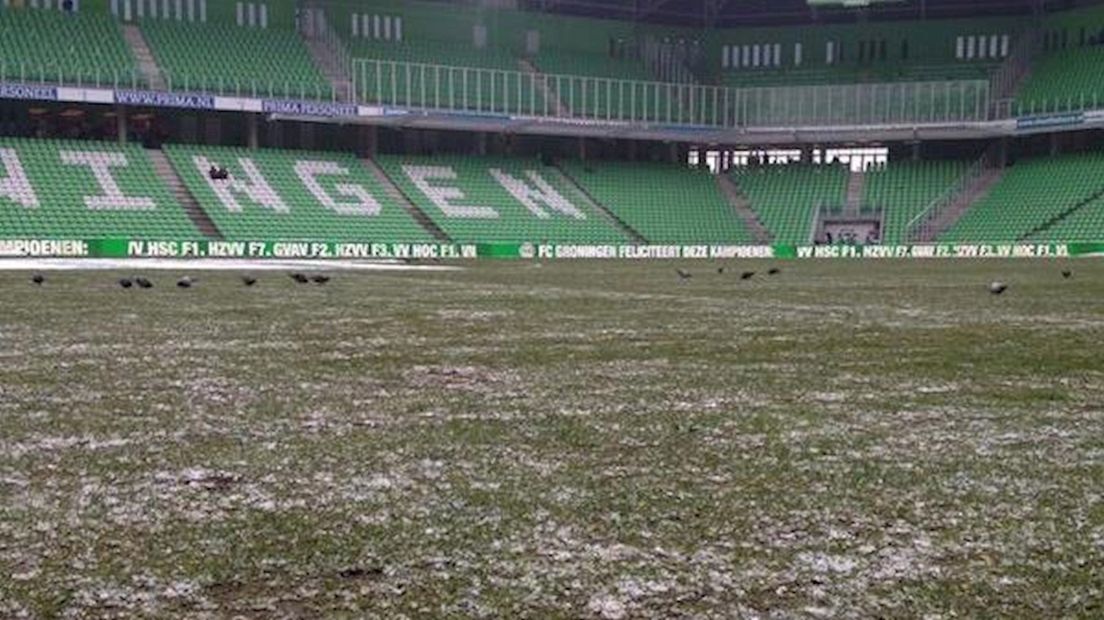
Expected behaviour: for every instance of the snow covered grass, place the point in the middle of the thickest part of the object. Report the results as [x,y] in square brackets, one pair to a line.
[844,439]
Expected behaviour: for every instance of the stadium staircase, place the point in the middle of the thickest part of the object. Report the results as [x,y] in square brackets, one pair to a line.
[332,59]
[557,107]
[972,191]
[855,187]
[199,217]
[598,206]
[400,198]
[742,206]
[147,65]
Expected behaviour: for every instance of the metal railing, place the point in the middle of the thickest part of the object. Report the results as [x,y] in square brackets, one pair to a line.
[497,91]
[503,91]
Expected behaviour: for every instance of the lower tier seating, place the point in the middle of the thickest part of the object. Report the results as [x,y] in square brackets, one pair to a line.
[499,200]
[85,190]
[1033,195]
[665,203]
[292,196]
[902,190]
[787,197]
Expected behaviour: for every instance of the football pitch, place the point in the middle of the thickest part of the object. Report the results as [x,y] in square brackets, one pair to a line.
[570,440]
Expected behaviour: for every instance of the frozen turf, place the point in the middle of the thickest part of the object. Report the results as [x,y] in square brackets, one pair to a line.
[844,439]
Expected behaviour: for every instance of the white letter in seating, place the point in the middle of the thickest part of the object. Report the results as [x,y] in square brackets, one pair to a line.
[444,196]
[309,171]
[530,197]
[16,185]
[101,162]
[256,187]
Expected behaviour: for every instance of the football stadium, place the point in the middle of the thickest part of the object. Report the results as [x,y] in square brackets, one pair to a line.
[551,309]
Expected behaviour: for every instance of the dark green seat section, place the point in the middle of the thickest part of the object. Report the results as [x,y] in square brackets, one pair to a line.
[505,218]
[786,197]
[62,190]
[1032,194]
[50,46]
[306,217]
[902,190]
[665,203]
[230,59]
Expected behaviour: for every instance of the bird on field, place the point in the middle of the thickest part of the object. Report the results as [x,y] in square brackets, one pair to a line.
[125,282]
[997,287]
[248,280]
[747,275]
[683,274]
[720,269]
[1066,273]
[773,271]
[185,282]
[298,277]
[38,279]
[321,279]
[143,282]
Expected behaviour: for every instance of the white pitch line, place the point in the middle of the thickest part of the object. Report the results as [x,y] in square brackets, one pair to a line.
[206,264]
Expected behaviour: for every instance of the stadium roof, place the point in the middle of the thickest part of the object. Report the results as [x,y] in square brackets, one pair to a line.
[722,13]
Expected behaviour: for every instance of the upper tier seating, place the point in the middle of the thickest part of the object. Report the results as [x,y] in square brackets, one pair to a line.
[231,59]
[904,189]
[85,190]
[292,196]
[665,203]
[1032,193]
[499,200]
[51,46]
[1071,79]
[786,197]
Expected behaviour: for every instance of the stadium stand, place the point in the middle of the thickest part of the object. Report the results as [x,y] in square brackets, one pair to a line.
[903,189]
[499,200]
[786,197]
[1084,223]
[1033,194]
[84,190]
[292,196]
[229,59]
[51,46]
[1071,79]
[664,203]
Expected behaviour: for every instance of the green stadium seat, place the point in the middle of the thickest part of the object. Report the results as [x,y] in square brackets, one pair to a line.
[276,195]
[86,190]
[1030,197]
[902,190]
[665,203]
[786,197]
[469,199]
[50,46]
[230,59]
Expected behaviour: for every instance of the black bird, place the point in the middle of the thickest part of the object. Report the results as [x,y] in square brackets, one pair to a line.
[321,279]
[1066,274]
[249,280]
[773,271]
[125,282]
[185,282]
[997,287]
[38,279]
[747,275]
[683,274]
[143,282]
[720,269]
[298,277]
